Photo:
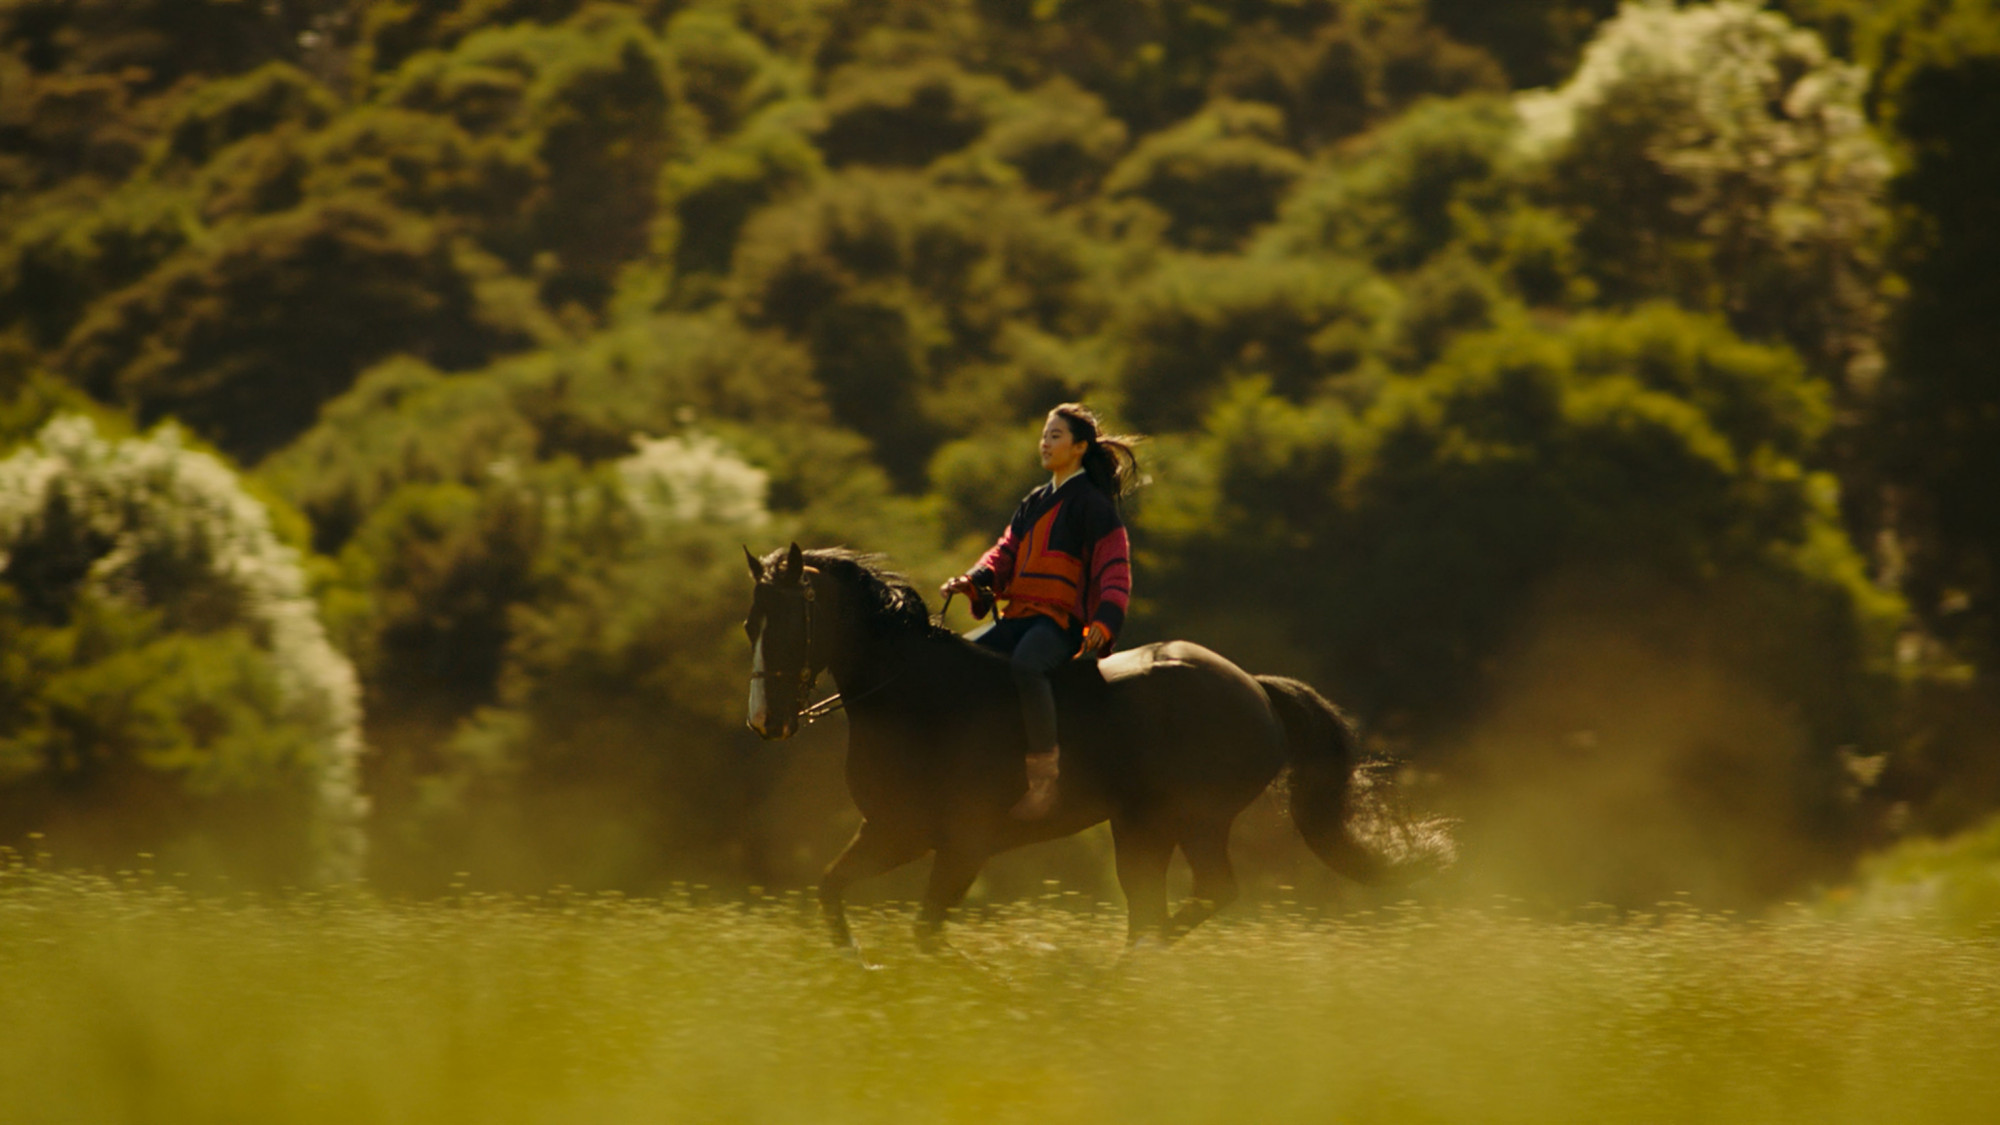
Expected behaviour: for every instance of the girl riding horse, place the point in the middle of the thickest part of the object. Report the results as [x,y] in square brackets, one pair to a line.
[1063,568]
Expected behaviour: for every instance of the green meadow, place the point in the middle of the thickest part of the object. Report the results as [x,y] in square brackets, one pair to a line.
[127,1001]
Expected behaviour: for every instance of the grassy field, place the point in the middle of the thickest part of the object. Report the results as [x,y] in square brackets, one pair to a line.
[124,1002]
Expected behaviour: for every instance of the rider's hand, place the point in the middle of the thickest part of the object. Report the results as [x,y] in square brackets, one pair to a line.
[961,585]
[1096,638]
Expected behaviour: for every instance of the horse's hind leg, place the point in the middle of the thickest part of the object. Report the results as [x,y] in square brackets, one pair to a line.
[952,873]
[1206,847]
[1143,853]
[871,852]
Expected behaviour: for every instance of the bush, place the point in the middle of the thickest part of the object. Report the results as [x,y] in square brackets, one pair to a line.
[1196,324]
[727,73]
[559,668]
[169,686]
[1718,155]
[1432,177]
[707,200]
[1366,65]
[1585,562]
[405,422]
[1952,884]
[592,99]
[906,293]
[215,115]
[907,116]
[154,44]
[65,128]
[245,334]
[466,181]
[1218,175]
[69,250]
[1060,139]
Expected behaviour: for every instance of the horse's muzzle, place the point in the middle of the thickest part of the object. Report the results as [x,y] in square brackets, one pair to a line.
[782,731]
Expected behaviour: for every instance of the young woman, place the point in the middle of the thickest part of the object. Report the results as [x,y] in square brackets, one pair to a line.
[1063,568]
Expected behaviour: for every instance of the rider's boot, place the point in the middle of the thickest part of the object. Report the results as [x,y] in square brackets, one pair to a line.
[1041,794]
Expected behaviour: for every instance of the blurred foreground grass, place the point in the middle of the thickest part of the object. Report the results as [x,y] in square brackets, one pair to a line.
[123,1002]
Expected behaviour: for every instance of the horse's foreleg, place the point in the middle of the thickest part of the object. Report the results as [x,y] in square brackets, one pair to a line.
[871,852]
[952,873]
[1142,855]
[1207,851]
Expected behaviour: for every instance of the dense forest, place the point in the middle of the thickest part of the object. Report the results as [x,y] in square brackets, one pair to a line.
[1595,401]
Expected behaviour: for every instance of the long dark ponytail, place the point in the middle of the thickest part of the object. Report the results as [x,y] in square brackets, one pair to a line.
[1110,462]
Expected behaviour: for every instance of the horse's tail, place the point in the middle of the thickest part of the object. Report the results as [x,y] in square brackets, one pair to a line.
[1324,749]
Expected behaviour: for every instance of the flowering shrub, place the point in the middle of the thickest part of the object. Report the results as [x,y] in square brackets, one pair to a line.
[164,653]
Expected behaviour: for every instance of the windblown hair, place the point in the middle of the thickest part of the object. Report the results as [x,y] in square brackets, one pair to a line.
[888,600]
[1110,462]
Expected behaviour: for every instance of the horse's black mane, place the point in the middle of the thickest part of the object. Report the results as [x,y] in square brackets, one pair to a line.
[888,599]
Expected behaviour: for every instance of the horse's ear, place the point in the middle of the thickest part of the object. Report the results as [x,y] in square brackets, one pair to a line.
[795,562]
[756,568]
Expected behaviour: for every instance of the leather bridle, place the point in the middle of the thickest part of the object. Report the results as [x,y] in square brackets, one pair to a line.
[807,675]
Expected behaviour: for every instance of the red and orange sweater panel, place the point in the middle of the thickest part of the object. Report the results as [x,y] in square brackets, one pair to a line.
[1064,555]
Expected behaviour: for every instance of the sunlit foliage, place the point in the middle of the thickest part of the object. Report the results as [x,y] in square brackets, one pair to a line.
[152,44]
[692,480]
[1716,154]
[1218,175]
[1463,392]
[1537,42]
[608,746]
[912,298]
[167,672]
[1363,66]
[215,335]
[1436,175]
[1935,90]
[1575,484]
[1951,884]
[1196,324]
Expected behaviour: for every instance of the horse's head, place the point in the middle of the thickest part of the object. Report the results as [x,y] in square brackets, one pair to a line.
[784,627]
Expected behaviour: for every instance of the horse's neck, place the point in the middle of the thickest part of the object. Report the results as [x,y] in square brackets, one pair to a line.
[860,653]
[873,663]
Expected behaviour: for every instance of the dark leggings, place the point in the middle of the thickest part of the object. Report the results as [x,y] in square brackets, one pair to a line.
[1035,646]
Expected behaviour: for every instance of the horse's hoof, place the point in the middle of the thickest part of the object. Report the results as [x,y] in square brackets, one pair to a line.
[852,954]
[941,951]
[950,958]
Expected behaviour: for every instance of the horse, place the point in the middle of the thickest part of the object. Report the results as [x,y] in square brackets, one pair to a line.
[1169,742]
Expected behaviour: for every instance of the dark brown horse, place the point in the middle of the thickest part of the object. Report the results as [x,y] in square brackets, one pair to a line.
[1169,742]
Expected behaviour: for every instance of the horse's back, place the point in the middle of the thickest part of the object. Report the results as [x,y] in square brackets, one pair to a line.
[1169,657]
[1188,720]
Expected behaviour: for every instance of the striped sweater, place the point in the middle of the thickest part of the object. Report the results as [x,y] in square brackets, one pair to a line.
[1064,555]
